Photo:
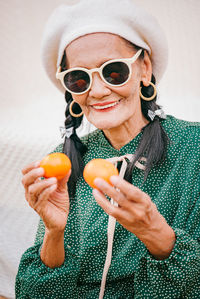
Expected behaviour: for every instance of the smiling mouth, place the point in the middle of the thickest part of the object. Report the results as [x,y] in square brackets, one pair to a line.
[100,106]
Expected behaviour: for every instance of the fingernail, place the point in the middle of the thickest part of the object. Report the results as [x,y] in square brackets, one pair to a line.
[52,180]
[96,192]
[40,171]
[97,182]
[114,179]
[37,163]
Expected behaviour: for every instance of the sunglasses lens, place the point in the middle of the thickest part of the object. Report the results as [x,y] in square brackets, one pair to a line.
[116,73]
[77,81]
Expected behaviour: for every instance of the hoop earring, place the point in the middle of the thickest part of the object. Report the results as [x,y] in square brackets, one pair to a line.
[150,98]
[71,112]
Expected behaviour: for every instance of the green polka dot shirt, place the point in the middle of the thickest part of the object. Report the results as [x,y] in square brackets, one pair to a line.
[174,186]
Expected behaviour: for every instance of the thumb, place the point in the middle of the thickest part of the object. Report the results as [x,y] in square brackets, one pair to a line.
[63,182]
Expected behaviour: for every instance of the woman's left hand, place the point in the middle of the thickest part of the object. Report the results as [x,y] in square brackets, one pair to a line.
[137,213]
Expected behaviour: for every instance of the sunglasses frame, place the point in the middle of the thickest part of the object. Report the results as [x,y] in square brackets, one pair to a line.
[128,61]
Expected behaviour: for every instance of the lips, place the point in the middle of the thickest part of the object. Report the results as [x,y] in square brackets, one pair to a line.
[105,105]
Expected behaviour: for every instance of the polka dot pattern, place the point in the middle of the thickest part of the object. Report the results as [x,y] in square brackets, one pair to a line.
[174,186]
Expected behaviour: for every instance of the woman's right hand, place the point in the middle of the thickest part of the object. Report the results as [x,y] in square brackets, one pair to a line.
[48,197]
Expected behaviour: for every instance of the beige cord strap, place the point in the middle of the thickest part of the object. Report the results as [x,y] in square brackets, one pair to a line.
[112,220]
[110,233]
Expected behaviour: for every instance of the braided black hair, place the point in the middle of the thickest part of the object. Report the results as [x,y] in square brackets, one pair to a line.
[72,146]
[154,140]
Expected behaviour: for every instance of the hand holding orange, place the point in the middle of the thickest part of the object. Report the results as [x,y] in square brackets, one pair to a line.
[56,165]
[99,168]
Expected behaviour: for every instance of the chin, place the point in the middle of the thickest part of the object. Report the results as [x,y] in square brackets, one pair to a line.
[106,122]
[105,125]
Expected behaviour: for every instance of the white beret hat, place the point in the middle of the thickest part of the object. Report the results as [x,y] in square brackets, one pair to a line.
[121,17]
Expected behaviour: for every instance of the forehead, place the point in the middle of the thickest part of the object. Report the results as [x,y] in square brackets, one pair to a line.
[92,48]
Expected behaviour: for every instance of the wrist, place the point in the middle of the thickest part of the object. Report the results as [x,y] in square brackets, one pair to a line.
[54,234]
[52,252]
[159,239]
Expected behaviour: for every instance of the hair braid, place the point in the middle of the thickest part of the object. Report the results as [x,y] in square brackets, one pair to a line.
[154,140]
[73,147]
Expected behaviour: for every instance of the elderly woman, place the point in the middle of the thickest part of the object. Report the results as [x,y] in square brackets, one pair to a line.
[139,237]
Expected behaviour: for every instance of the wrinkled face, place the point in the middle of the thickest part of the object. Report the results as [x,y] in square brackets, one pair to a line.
[106,106]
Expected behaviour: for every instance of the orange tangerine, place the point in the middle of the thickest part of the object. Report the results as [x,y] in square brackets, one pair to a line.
[56,165]
[99,168]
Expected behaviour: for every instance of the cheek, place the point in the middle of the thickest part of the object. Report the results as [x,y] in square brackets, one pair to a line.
[81,100]
[129,90]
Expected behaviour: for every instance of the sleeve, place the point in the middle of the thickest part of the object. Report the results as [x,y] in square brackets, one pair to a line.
[178,276]
[35,280]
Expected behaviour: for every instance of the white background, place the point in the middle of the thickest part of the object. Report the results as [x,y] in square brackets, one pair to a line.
[32,109]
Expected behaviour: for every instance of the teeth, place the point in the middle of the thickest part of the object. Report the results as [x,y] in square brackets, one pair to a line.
[106,106]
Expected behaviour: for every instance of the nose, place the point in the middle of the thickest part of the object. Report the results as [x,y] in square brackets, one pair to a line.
[98,88]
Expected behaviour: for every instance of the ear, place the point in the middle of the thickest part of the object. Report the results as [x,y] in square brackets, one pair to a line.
[146,69]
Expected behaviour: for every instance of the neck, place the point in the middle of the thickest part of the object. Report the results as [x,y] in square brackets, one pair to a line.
[120,136]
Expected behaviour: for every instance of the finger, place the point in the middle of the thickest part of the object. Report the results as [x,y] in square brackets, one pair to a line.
[33,175]
[62,184]
[35,189]
[43,198]
[112,192]
[105,204]
[31,166]
[124,217]
[39,179]
[130,191]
